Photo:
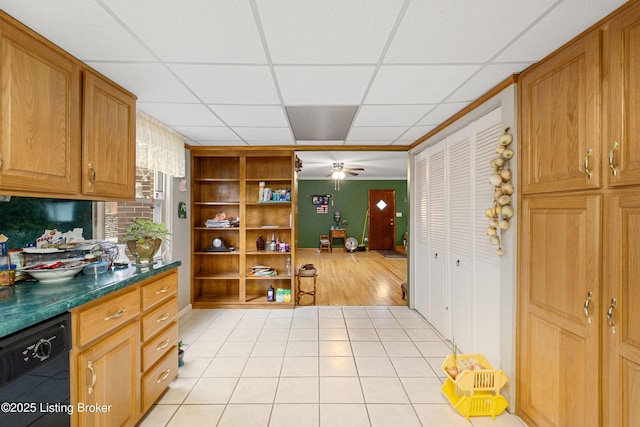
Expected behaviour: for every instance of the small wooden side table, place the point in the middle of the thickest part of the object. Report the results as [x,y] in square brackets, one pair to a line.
[339,233]
[312,273]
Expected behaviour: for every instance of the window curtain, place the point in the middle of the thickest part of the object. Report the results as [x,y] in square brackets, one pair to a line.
[159,148]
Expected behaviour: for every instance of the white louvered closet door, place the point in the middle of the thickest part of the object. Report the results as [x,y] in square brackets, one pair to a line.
[460,233]
[437,229]
[419,240]
[486,132]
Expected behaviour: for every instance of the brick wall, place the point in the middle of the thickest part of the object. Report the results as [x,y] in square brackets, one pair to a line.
[120,214]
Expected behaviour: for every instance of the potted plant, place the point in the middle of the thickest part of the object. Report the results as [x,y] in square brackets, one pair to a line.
[144,238]
[180,354]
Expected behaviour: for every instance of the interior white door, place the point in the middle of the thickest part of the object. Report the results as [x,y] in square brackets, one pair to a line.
[460,230]
[419,246]
[486,264]
[436,217]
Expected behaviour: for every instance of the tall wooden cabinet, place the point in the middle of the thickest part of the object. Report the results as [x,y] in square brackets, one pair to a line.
[65,131]
[228,183]
[578,334]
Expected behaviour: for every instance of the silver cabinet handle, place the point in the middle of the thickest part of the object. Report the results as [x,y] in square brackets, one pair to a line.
[163,290]
[93,376]
[586,164]
[115,315]
[163,344]
[587,302]
[610,316]
[614,147]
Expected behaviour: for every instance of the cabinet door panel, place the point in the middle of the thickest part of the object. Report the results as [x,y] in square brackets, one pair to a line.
[39,116]
[107,375]
[559,345]
[622,144]
[622,269]
[108,152]
[559,107]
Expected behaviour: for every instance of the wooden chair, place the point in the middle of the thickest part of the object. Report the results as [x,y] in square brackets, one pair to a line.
[325,242]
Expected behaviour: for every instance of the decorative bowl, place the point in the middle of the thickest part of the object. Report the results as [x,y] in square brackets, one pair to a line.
[54,275]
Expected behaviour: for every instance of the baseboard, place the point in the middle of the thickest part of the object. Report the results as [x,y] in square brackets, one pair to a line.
[185,311]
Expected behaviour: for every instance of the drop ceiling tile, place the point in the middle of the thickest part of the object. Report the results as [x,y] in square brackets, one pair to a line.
[93,34]
[416,133]
[375,133]
[441,113]
[447,31]
[390,115]
[264,134]
[149,82]
[229,84]
[417,84]
[328,31]
[208,133]
[567,20]
[180,114]
[247,115]
[219,31]
[485,80]
[339,85]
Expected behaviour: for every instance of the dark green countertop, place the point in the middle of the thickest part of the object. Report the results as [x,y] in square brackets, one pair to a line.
[28,303]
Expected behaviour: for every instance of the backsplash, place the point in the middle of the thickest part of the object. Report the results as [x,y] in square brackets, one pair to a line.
[24,219]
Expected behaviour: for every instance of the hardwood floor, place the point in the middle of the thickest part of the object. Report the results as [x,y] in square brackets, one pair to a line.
[354,279]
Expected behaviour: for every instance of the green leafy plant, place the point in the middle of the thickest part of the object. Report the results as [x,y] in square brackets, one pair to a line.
[180,345]
[142,229]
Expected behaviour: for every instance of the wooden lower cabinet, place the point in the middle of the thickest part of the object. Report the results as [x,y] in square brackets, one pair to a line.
[125,352]
[558,343]
[621,308]
[107,383]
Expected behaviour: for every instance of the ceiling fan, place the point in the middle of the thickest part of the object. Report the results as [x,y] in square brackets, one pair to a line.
[338,171]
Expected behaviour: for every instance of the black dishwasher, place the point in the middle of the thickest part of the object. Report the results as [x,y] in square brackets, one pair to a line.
[34,375]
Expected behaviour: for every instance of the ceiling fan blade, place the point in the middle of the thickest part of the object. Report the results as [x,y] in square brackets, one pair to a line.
[351,173]
[354,169]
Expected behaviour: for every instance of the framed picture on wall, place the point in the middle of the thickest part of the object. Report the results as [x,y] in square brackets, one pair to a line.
[316,200]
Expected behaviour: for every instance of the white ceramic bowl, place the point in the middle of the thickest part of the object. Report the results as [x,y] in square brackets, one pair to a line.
[55,275]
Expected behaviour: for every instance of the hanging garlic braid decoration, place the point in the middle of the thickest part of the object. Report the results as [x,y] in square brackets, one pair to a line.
[501,211]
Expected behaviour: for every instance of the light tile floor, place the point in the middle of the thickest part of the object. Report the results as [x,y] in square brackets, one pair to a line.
[312,366]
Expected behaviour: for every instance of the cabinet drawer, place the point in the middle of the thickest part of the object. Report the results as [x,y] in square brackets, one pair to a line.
[159,317]
[159,290]
[153,350]
[106,315]
[156,381]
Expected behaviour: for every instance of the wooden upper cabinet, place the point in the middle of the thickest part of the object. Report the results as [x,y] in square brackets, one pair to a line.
[108,146]
[622,87]
[39,116]
[560,119]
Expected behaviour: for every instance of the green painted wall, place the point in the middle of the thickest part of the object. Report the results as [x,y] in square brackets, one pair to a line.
[351,201]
